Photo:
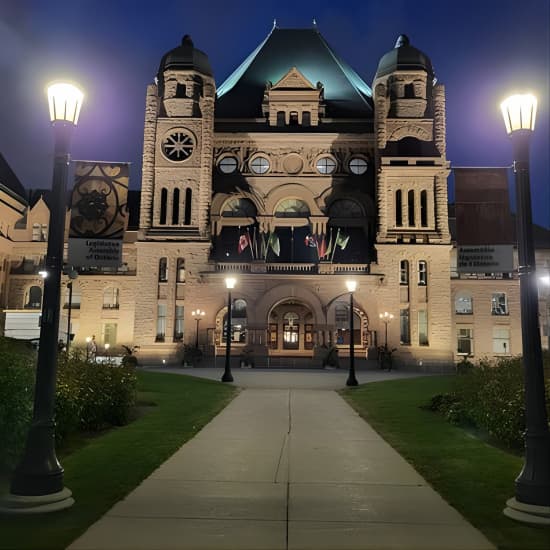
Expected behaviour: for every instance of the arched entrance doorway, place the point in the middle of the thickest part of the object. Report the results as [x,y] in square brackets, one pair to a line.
[291,328]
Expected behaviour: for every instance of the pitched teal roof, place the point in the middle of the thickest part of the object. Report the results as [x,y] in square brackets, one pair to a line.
[346,93]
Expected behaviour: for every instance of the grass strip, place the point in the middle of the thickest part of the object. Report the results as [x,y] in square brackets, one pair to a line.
[473,476]
[107,468]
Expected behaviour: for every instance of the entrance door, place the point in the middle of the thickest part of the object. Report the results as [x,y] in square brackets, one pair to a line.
[291,331]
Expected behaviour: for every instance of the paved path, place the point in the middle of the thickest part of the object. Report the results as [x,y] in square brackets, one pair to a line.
[284,469]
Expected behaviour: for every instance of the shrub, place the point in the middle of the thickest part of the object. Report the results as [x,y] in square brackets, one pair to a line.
[489,396]
[16,403]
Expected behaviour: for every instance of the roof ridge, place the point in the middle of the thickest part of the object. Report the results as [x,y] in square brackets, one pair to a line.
[368,92]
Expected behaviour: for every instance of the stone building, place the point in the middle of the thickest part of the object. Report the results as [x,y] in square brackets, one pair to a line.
[293,176]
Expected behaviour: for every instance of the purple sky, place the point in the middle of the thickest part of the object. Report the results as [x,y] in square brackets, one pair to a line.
[481,50]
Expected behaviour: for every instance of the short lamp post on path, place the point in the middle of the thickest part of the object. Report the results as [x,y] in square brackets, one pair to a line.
[227,376]
[352,380]
[37,483]
[531,503]
[198,315]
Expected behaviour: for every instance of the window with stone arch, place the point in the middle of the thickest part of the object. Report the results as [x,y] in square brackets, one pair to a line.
[424,209]
[163,205]
[399,208]
[188,198]
[410,201]
[176,207]
[292,208]
[239,208]
[33,298]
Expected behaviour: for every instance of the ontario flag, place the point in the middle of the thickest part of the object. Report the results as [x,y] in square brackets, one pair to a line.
[244,241]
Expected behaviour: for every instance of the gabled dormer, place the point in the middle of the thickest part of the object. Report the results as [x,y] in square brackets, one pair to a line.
[293,101]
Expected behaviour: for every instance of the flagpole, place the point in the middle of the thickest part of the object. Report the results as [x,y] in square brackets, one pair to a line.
[335,245]
[292,244]
[250,242]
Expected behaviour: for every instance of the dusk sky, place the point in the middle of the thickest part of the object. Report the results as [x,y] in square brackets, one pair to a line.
[482,50]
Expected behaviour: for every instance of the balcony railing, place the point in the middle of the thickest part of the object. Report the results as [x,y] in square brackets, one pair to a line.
[322,268]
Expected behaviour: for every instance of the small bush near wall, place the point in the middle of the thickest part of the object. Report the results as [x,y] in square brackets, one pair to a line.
[89,396]
[490,396]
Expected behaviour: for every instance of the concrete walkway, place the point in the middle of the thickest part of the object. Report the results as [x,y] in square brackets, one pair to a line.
[284,469]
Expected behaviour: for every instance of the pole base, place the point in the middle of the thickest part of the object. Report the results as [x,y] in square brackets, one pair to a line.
[527,513]
[227,377]
[21,505]
[352,382]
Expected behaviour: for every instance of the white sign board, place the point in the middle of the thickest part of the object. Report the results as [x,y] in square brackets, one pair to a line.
[95,252]
[485,258]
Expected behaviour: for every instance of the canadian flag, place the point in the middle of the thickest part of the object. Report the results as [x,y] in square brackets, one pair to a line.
[244,241]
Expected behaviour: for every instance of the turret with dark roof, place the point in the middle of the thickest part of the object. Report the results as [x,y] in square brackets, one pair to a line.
[404,57]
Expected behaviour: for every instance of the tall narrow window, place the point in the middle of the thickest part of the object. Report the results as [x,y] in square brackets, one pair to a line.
[404,325]
[422,273]
[465,341]
[306,118]
[398,208]
[180,271]
[163,203]
[180,90]
[410,201]
[424,208]
[176,207]
[109,333]
[178,326]
[423,328]
[163,270]
[293,119]
[161,322]
[110,298]
[281,118]
[404,272]
[188,197]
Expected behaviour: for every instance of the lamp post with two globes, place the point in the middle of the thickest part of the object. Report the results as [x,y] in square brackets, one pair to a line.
[227,376]
[532,488]
[37,483]
[198,315]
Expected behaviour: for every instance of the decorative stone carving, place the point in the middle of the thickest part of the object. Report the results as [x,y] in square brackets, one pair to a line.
[293,163]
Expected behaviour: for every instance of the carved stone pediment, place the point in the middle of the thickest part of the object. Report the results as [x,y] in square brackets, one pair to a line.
[293,100]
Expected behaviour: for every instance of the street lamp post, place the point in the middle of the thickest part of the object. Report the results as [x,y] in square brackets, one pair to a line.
[37,483]
[352,380]
[198,315]
[386,318]
[532,488]
[227,376]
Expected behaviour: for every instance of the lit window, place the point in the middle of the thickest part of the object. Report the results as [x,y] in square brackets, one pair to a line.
[422,273]
[499,305]
[326,165]
[178,326]
[292,208]
[260,165]
[180,271]
[404,326]
[110,298]
[228,165]
[464,304]
[358,166]
[501,340]
[109,331]
[161,322]
[465,341]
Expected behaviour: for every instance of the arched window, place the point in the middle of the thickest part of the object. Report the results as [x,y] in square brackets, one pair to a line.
[188,197]
[180,90]
[293,118]
[341,318]
[163,270]
[180,271]
[463,303]
[239,208]
[176,207]
[33,298]
[238,322]
[410,200]
[163,203]
[292,208]
[424,208]
[398,208]
[110,298]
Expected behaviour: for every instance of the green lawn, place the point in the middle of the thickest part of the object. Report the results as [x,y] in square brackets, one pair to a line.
[473,476]
[108,467]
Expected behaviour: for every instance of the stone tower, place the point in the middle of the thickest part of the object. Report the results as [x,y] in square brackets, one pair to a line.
[176,191]
[413,239]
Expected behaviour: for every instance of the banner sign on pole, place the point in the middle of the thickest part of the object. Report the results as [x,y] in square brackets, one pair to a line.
[98,214]
[484,227]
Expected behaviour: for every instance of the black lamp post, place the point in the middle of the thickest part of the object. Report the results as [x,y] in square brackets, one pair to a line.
[227,376]
[69,308]
[532,495]
[198,315]
[352,380]
[37,483]
[386,318]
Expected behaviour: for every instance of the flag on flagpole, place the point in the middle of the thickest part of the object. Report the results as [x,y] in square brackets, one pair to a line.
[244,241]
[250,242]
[311,241]
[322,246]
[329,247]
[263,244]
[342,240]
[274,243]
